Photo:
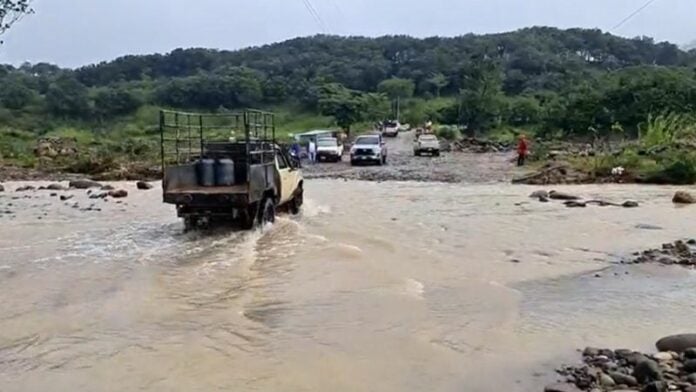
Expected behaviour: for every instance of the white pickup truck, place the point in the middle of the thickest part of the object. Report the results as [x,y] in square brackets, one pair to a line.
[426,144]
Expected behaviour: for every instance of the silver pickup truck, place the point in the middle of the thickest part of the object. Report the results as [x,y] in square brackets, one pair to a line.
[426,144]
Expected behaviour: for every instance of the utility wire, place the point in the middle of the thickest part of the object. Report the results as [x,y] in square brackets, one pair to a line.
[315,15]
[633,14]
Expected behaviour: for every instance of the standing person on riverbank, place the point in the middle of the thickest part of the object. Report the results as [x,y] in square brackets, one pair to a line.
[522,150]
[312,150]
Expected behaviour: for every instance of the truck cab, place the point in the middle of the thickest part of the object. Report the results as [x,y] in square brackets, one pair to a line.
[212,178]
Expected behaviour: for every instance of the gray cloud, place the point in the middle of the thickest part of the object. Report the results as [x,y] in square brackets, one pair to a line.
[78,32]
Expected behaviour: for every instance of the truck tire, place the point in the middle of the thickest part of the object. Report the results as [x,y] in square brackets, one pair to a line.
[249,217]
[297,201]
[267,213]
[417,153]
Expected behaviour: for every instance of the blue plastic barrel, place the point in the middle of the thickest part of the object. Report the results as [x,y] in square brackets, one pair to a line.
[205,169]
[224,172]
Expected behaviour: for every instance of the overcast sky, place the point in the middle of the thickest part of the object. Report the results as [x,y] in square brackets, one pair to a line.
[77,32]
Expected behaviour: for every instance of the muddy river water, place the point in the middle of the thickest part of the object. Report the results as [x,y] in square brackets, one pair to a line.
[393,286]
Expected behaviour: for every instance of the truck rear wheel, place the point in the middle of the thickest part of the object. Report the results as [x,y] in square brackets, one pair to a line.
[267,214]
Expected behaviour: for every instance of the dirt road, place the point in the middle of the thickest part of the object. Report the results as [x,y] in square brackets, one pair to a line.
[402,165]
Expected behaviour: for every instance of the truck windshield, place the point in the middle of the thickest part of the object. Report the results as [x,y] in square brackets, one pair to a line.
[391,124]
[327,143]
[367,140]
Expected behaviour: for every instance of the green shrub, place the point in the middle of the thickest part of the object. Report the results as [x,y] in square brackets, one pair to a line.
[448,132]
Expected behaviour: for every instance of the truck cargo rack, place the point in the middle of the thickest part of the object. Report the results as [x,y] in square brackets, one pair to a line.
[186,137]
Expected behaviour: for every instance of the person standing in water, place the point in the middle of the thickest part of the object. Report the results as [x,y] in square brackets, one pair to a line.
[522,150]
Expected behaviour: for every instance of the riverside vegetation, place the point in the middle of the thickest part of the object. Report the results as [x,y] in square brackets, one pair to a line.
[633,100]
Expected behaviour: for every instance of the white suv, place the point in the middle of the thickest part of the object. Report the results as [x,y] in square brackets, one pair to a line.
[368,149]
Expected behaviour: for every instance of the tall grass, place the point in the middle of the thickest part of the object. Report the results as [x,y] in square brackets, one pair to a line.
[665,129]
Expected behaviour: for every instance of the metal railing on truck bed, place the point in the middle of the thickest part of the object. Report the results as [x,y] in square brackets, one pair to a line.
[186,137]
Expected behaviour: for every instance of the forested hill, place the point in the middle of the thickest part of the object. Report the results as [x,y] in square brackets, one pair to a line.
[534,58]
[542,79]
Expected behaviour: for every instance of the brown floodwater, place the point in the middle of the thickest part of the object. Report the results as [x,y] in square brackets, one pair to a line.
[390,286]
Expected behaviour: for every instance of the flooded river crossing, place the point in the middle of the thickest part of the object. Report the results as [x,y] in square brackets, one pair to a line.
[377,286]
[394,286]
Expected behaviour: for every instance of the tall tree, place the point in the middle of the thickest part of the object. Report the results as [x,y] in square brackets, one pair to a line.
[344,105]
[481,94]
[11,11]
[397,88]
[438,81]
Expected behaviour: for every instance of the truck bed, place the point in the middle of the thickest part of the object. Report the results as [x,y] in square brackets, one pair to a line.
[208,190]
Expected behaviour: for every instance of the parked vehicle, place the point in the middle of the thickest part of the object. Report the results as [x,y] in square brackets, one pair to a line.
[211,179]
[369,149]
[426,144]
[329,149]
[304,138]
[391,128]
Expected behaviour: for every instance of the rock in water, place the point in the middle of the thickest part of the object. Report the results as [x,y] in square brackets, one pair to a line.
[562,196]
[646,371]
[561,388]
[575,204]
[630,204]
[2,188]
[84,184]
[677,343]
[623,379]
[107,188]
[55,187]
[590,352]
[683,197]
[142,185]
[539,195]
[66,197]
[121,193]
[25,188]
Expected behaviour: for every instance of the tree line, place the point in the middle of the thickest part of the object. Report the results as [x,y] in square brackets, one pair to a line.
[574,81]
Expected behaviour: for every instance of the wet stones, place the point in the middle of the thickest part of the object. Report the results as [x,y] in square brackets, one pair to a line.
[142,185]
[604,370]
[683,197]
[84,184]
[575,204]
[2,188]
[25,188]
[66,197]
[574,201]
[679,252]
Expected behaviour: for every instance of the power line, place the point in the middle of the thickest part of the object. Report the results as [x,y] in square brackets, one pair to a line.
[315,15]
[633,14]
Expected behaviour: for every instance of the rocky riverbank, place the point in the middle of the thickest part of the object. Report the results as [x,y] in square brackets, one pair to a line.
[673,368]
[681,252]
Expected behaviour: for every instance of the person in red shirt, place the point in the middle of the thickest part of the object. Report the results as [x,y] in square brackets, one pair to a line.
[522,150]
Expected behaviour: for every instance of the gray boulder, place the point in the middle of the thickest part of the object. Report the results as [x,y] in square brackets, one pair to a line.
[623,379]
[2,188]
[562,196]
[575,204]
[683,197]
[84,184]
[690,353]
[690,366]
[677,343]
[142,185]
[647,371]
[25,188]
[539,194]
[55,187]
[118,194]
[630,204]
